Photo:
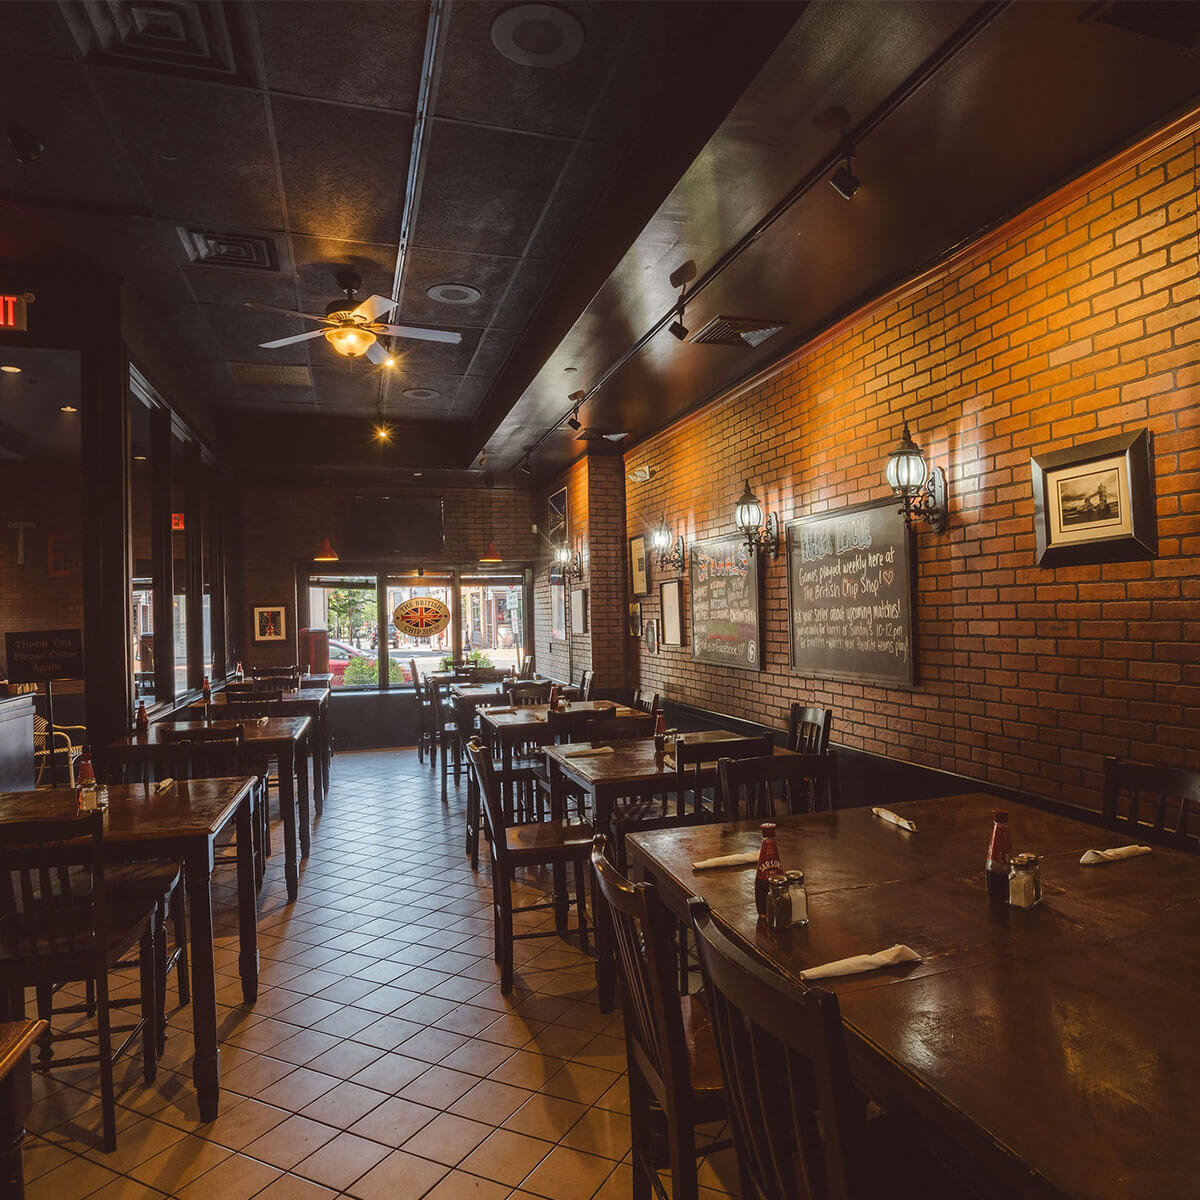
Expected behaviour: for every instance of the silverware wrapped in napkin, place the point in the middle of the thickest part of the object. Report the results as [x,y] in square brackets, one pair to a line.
[585,751]
[727,860]
[163,784]
[858,963]
[1092,857]
[886,814]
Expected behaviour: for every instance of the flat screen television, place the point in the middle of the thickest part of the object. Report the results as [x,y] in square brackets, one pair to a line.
[387,526]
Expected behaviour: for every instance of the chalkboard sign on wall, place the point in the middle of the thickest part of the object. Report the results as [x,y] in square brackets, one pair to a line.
[44,655]
[850,584]
[726,622]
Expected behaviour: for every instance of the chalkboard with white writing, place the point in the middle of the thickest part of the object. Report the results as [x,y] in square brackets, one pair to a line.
[723,590]
[850,584]
[44,655]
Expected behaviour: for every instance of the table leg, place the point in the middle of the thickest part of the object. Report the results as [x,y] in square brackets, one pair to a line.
[326,744]
[300,762]
[16,1099]
[206,1061]
[606,966]
[318,778]
[287,808]
[247,902]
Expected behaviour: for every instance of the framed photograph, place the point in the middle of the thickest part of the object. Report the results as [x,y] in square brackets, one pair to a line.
[671,595]
[557,531]
[270,624]
[651,636]
[558,609]
[638,571]
[1095,503]
[635,619]
[579,610]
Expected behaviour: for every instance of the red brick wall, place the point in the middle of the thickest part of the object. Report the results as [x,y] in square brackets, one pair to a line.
[1081,323]
[283,526]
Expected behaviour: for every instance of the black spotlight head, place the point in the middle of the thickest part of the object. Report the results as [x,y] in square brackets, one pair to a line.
[420,571]
[573,422]
[844,182]
[25,147]
[678,329]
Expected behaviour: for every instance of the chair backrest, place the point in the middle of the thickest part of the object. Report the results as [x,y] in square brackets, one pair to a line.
[690,757]
[586,681]
[493,804]
[1152,803]
[617,729]
[291,672]
[643,932]
[203,753]
[648,702]
[808,729]
[525,670]
[487,674]
[52,912]
[799,1126]
[524,695]
[774,785]
[252,703]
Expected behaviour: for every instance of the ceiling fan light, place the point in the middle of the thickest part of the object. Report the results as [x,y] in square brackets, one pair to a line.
[350,340]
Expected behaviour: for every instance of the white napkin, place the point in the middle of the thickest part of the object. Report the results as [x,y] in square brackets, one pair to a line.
[493,711]
[886,814]
[263,720]
[163,784]
[1103,856]
[859,963]
[727,860]
[586,751]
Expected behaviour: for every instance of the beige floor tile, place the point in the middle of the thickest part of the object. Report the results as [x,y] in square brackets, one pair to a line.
[394,1121]
[343,1160]
[525,1069]
[124,1188]
[390,1073]
[237,1178]
[293,1187]
[74,1179]
[600,1131]
[447,1139]
[180,1163]
[460,1186]
[290,1142]
[136,1143]
[506,1156]
[400,1176]
[438,1087]
[341,1106]
[619,1185]
[580,1083]
[568,1175]
[239,1124]
[491,1101]
[298,1089]
[547,1117]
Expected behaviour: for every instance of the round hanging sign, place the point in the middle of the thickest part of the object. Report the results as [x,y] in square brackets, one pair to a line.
[421,617]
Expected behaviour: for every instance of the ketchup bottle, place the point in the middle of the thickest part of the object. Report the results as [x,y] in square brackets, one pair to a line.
[768,864]
[998,855]
[141,722]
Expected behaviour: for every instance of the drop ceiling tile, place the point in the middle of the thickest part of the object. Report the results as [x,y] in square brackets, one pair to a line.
[35,27]
[488,275]
[580,188]
[529,284]
[494,347]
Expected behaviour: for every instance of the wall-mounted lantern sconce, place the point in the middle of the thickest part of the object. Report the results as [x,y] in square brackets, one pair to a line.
[326,553]
[921,488]
[670,551]
[748,517]
[570,563]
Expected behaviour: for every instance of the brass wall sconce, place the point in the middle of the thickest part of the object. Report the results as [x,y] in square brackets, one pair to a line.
[921,488]
[670,551]
[761,535]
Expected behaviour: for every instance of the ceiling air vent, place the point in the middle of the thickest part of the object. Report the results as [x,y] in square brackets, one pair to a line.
[599,435]
[737,331]
[1164,20]
[245,251]
[271,374]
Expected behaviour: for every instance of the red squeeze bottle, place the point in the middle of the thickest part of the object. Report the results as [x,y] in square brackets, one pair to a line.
[660,725]
[768,864]
[206,691]
[554,697]
[998,855]
[142,721]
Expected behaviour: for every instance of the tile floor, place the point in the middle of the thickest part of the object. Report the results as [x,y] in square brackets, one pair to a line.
[380,1061]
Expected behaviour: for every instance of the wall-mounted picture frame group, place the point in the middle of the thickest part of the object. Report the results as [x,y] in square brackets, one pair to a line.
[639,578]
[670,594]
[1095,503]
[270,623]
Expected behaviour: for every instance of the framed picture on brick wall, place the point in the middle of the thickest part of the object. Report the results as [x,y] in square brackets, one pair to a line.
[579,610]
[558,609]
[270,624]
[635,619]
[557,530]
[671,595]
[651,636]
[638,571]
[1095,503]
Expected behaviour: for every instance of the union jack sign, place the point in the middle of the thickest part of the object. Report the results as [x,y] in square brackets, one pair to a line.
[421,617]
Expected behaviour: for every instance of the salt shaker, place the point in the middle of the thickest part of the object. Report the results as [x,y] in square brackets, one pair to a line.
[779,901]
[1025,881]
[799,895]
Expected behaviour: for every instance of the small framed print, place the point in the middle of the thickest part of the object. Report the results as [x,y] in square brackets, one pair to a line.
[638,577]
[671,595]
[635,619]
[557,528]
[1095,503]
[558,609]
[270,624]
[651,636]
[579,610]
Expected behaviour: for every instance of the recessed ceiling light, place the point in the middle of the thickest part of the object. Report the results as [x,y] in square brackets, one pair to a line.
[383,433]
[67,408]
[570,370]
[10,370]
[418,474]
[537,35]
[453,293]
[422,393]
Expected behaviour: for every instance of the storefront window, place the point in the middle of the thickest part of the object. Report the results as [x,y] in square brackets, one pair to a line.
[348,608]
[141,522]
[179,574]
[427,652]
[493,629]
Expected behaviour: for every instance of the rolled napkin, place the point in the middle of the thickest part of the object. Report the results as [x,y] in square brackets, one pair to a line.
[263,720]
[585,751]
[886,814]
[727,860]
[163,784]
[493,711]
[859,963]
[1114,855]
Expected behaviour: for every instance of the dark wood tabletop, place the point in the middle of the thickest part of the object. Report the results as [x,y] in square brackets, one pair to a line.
[1050,1049]
[531,715]
[15,1039]
[321,680]
[478,693]
[265,731]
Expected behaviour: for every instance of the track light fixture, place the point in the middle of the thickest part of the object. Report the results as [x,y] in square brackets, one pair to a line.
[576,399]
[843,180]
[680,278]
[525,468]
[677,327]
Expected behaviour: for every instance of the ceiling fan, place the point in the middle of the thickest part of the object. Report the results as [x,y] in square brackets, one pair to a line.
[354,330]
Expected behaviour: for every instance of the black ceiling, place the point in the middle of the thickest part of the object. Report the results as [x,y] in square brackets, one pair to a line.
[566,194]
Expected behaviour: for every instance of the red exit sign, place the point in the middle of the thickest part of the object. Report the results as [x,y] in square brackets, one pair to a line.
[177,521]
[13,311]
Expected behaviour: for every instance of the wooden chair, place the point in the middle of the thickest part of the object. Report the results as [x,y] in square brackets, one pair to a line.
[426,741]
[799,1125]
[525,668]
[616,729]
[673,1068]
[761,789]
[289,673]
[557,843]
[58,926]
[55,744]
[808,729]
[648,702]
[448,738]
[691,759]
[253,704]
[526,695]
[586,680]
[1152,803]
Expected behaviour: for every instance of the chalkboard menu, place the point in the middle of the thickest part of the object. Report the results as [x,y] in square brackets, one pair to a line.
[726,623]
[42,655]
[850,583]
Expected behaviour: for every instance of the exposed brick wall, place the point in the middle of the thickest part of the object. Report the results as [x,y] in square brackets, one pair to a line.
[283,526]
[1082,323]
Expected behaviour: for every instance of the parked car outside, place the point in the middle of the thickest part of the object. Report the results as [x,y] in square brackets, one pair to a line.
[340,654]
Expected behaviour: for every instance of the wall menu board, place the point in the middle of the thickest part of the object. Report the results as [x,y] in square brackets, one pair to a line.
[850,584]
[726,621]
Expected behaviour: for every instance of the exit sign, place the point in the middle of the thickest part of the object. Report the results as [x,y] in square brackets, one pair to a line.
[13,310]
[177,521]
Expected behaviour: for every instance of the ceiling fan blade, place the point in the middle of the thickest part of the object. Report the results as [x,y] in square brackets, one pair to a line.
[287,312]
[374,307]
[377,354]
[423,335]
[291,341]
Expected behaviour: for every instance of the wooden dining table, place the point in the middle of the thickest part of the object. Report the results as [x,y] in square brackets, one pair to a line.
[1047,1053]
[281,737]
[16,1099]
[181,822]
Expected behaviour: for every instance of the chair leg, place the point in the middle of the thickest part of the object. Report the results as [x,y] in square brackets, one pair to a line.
[160,981]
[151,1021]
[104,1037]
[639,1128]
[473,820]
[45,1007]
[581,904]
[183,979]
[504,932]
